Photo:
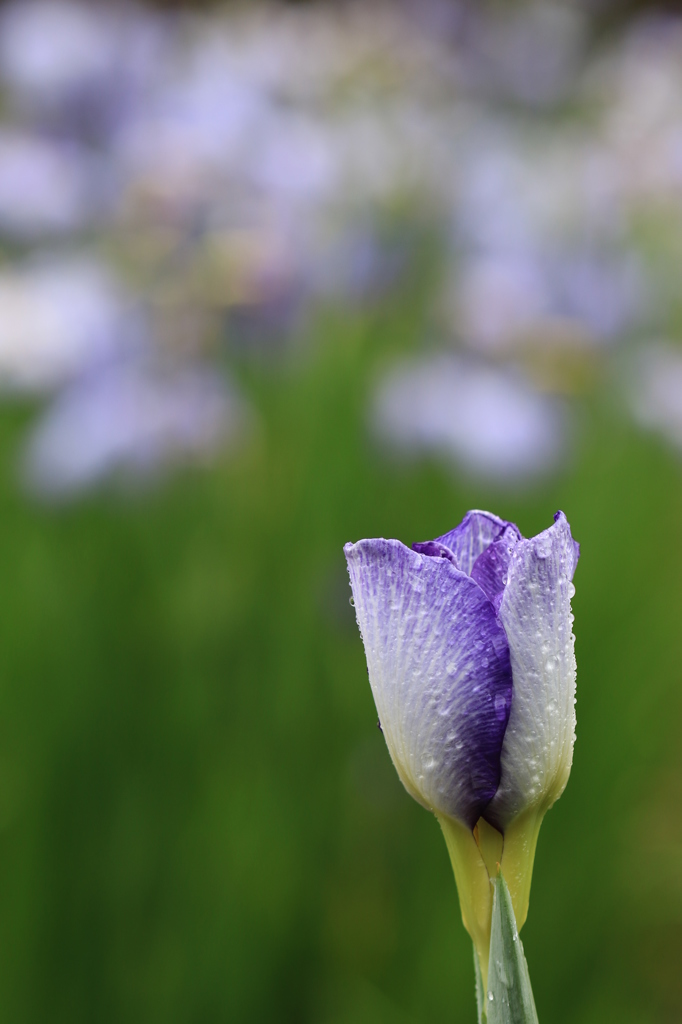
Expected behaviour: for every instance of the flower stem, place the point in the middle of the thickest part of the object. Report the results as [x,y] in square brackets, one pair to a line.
[509,998]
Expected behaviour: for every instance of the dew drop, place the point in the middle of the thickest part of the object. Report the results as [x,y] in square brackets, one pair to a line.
[543,547]
[500,706]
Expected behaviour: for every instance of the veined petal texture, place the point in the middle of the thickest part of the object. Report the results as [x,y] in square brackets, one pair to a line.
[535,611]
[474,535]
[440,672]
[491,568]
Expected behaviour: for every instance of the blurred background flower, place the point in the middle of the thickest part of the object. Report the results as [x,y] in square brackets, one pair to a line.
[490,422]
[274,277]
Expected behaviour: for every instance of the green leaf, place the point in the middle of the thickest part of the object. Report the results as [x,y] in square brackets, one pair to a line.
[509,997]
[479,989]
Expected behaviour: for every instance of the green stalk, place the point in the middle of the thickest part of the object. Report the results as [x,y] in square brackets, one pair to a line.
[509,997]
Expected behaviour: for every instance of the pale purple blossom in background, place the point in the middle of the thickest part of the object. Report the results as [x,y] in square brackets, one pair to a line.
[50,46]
[58,315]
[78,67]
[49,187]
[130,420]
[500,301]
[249,166]
[489,422]
[655,390]
[497,300]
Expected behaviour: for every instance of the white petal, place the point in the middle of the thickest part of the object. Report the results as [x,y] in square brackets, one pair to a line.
[536,613]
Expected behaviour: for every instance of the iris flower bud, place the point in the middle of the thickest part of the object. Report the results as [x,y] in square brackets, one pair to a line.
[471,661]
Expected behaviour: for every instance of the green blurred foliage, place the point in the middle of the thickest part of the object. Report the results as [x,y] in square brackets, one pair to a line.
[199,818]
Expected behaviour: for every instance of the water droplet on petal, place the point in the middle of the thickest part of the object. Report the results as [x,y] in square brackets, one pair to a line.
[543,547]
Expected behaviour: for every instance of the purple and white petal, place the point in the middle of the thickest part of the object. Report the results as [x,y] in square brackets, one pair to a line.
[440,673]
[535,611]
[474,535]
[491,568]
[435,550]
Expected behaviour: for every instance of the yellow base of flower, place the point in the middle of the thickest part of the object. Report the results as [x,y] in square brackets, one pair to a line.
[518,856]
[477,858]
